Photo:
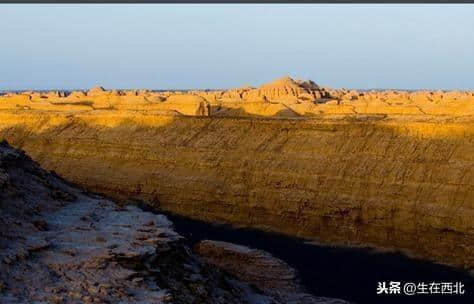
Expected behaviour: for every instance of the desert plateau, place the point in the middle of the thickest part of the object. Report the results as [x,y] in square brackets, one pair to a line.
[236,152]
[386,169]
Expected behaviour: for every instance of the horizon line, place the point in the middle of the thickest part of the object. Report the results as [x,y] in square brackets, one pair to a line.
[222,89]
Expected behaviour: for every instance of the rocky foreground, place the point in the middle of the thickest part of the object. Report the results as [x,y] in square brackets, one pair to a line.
[381,168]
[269,274]
[59,244]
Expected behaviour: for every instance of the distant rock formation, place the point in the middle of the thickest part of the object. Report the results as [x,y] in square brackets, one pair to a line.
[289,90]
[284,97]
[97,90]
[76,95]
[308,85]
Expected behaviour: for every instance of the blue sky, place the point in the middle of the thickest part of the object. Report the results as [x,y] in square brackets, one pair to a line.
[223,46]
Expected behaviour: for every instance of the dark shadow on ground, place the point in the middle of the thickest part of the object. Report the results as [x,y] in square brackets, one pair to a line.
[347,273]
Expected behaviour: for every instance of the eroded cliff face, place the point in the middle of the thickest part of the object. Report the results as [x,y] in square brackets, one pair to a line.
[393,176]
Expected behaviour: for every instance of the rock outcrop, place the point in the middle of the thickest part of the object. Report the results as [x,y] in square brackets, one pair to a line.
[96,91]
[59,244]
[287,90]
[251,265]
[383,168]
[260,269]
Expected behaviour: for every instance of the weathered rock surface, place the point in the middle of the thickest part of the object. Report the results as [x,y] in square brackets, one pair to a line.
[287,90]
[59,244]
[261,269]
[389,168]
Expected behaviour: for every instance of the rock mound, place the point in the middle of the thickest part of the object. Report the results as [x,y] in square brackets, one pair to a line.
[281,83]
[98,90]
[288,90]
[308,84]
[185,98]
[251,265]
[260,269]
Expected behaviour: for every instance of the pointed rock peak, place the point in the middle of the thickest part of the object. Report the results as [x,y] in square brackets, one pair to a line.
[288,82]
[281,82]
[97,89]
[285,80]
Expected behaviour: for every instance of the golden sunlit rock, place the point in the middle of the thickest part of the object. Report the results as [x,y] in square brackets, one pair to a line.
[388,168]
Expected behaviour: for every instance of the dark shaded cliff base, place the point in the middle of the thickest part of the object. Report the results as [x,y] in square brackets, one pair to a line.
[347,273]
[59,244]
[259,268]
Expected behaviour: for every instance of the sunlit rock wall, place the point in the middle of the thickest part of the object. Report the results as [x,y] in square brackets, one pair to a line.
[395,181]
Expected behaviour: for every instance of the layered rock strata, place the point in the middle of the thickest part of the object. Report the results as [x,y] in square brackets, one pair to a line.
[391,168]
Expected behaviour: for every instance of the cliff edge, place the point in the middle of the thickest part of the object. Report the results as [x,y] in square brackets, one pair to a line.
[59,244]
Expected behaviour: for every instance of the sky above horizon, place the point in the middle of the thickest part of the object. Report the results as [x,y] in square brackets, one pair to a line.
[224,46]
